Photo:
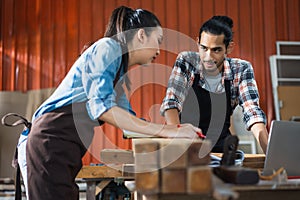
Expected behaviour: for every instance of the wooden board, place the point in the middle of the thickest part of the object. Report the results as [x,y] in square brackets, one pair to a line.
[100,172]
[116,156]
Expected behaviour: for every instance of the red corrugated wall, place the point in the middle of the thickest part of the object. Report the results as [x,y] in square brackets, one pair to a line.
[40,39]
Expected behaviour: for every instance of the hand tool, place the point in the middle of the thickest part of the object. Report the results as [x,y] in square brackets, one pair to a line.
[230,173]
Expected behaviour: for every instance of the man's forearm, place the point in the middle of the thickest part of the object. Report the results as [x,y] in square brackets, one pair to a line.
[261,134]
[172,116]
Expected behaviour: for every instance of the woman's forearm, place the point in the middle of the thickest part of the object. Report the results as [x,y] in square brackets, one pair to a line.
[124,120]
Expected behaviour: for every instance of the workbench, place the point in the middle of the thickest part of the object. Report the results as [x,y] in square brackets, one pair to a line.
[99,177]
[262,191]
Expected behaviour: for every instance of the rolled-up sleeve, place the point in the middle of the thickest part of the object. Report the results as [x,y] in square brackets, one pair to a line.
[249,98]
[179,83]
[124,103]
[101,68]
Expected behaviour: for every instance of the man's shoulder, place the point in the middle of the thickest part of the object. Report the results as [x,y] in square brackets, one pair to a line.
[191,57]
[238,64]
[238,61]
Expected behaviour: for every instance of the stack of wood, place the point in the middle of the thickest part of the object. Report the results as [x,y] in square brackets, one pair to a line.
[169,166]
[254,161]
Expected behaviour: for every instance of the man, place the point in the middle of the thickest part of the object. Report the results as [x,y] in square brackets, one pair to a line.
[206,86]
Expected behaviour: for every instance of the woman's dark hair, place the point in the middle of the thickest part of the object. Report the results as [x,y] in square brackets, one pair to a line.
[124,23]
[124,19]
[218,25]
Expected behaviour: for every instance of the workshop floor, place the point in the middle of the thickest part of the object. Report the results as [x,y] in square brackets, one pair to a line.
[82,197]
[7,192]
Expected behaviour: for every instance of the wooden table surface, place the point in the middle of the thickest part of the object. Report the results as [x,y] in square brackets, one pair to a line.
[264,190]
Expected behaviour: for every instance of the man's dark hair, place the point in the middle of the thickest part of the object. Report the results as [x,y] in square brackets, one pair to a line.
[219,25]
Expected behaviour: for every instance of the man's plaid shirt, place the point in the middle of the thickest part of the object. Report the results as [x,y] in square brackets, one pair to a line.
[239,72]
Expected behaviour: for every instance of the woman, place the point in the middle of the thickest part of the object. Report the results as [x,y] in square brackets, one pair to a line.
[63,125]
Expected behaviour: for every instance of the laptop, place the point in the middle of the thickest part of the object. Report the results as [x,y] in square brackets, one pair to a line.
[283,148]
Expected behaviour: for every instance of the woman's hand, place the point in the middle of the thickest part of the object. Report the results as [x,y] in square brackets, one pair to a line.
[181,131]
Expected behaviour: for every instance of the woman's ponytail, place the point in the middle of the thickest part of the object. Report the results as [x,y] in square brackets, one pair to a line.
[123,24]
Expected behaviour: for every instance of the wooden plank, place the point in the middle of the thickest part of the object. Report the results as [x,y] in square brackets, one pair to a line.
[289,192]
[248,157]
[99,172]
[174,156]
[146,155]
[117,156]
[199,180]
[178,153]
[254,161]
[168,183]
[254,158]
[128,170]
[148,182]
[170,153]
[199,153]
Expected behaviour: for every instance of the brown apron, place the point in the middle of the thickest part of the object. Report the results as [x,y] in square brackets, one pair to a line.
[56,144]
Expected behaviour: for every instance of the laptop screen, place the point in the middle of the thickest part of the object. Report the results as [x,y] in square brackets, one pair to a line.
[283,148]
